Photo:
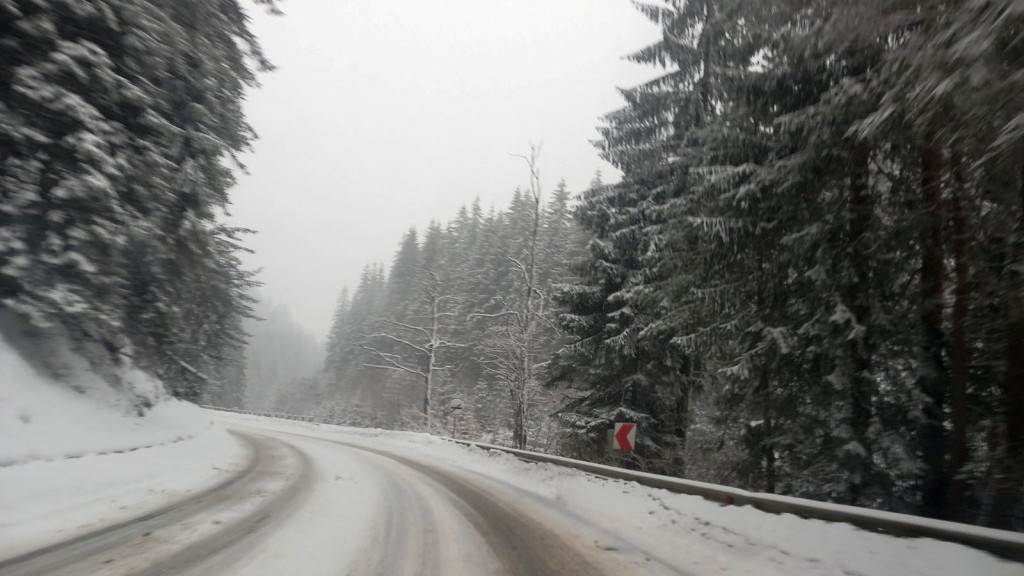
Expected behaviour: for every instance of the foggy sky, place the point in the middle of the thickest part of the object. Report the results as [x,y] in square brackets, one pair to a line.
[387,115]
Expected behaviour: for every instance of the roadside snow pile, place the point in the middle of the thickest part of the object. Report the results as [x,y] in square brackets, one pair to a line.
[45,419]
[707,536]
[75,455]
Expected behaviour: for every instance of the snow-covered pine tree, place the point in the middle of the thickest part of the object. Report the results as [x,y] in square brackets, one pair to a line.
[402,285]
[62,224]
[950,112]
[470,257]
[338,339]
[620,361]
[117,117]
[622,314]
[807,215]
[365,398]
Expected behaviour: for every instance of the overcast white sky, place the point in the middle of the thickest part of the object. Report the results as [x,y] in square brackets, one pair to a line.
[388,114]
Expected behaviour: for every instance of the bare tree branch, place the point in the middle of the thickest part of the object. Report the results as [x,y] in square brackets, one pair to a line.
[495,315]
[425,340]
[420,329]
[446,344]
[550,324]
[521,267]
[391,363]
[400,341]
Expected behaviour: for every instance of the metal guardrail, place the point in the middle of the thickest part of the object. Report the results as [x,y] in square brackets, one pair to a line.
[1003,543]
[1009,545]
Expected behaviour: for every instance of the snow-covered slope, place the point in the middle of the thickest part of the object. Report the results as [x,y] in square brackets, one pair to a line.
[76,455]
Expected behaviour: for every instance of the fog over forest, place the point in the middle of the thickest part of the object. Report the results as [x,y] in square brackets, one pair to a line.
[380,116]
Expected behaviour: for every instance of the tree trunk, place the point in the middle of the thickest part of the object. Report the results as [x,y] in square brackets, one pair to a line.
[682,424]
[959,352]
[431,356]
[857,297]
[1010,466]
[932,377]
[770,473]
[528,317]
[519,423]
[426,400]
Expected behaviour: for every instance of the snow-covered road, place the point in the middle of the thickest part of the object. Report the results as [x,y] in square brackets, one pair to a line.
[320,499]
[385,511]
[185,532]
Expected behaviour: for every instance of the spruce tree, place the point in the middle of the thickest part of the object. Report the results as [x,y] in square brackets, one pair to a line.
[118,119]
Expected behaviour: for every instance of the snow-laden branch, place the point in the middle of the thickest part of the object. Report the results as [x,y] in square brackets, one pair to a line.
[403,342]
[495,315]
[420,329]
[439,344]
[391,363]
[195,372]
[522,268]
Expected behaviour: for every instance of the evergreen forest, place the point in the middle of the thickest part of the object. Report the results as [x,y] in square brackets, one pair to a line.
[808,280]
[120,124]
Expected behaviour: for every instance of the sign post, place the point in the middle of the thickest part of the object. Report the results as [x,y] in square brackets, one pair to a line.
[455,406]
[624,436]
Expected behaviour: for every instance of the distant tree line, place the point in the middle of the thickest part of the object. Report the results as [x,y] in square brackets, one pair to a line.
[119,120]
[447,307]
[281,357]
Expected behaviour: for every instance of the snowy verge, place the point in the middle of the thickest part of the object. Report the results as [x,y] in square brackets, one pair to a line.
[75,456]
[1003,543]
[683,530]
[45,417]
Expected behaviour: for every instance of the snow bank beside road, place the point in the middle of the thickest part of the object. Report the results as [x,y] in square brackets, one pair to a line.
[685,531]
[74,455]
[43,418]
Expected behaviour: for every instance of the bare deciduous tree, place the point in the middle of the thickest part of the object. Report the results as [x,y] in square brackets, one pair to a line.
[421,344]
[509,355]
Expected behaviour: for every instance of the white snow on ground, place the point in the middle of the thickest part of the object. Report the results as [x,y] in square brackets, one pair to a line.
[75,457]
[325,533]
[685,531]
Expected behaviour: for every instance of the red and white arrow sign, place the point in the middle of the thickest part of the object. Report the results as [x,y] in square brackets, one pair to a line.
[625,435]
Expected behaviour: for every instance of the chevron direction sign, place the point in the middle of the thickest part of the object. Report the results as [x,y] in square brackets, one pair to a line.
[625,436]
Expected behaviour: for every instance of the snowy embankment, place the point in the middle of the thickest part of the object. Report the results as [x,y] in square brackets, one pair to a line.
[681,530]
[76,456]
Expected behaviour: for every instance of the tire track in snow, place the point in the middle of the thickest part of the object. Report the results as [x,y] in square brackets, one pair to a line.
[177,536]
[508,536]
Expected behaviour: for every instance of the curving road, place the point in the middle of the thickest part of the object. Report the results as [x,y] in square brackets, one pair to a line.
[316,505]
[442,521]
[184,532]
